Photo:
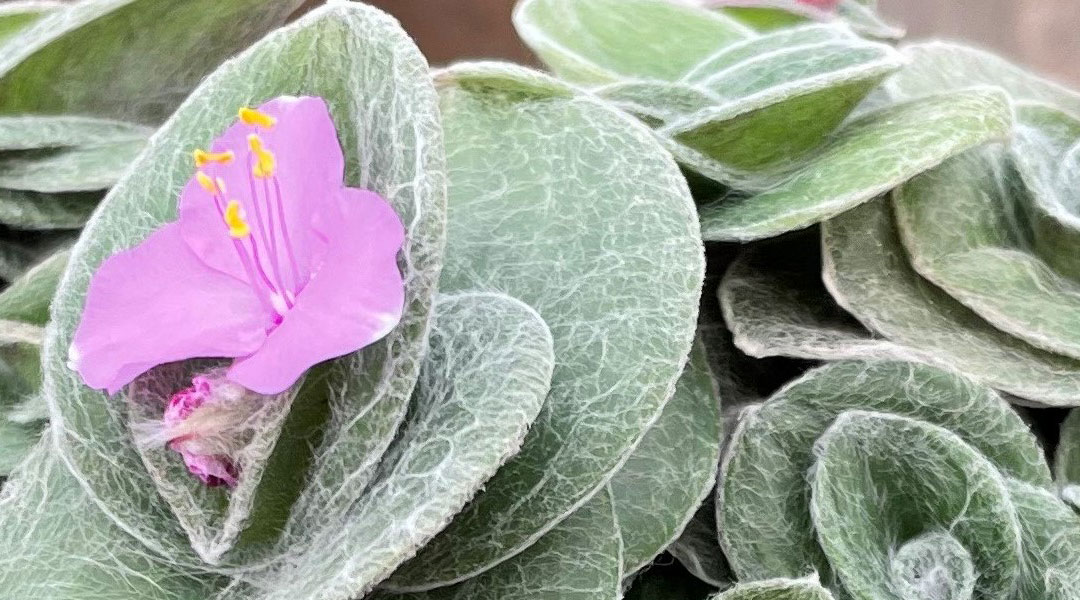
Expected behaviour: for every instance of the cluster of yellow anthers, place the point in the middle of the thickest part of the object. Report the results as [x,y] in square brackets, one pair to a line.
[263,168]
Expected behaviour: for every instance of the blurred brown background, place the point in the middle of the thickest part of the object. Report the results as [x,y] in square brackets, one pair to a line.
[1043,34]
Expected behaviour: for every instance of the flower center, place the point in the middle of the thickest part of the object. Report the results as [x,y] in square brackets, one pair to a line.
[261,249]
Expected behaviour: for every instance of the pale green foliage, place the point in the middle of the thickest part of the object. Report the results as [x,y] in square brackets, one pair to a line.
[869,157]
[577,560]
[675,462]
[763,514]
[777,589]
[151,53]
[535,172]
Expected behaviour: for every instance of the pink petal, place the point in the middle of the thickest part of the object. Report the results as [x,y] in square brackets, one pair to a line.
[354,299]
[158,303]
[310,171]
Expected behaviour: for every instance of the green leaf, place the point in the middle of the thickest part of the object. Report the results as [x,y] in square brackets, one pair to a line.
[937,66]
[577,560]
[778,589]
[868,157]
[60,546]
[776,305]
[965,230]
[864,18]
[875,283]
[1067,459]
[33,132]
[75,169]
[151,53]
[605,41]
[19,14]
[812,76]
[46,211]
[1050,532]
[16,442]
[905,509]
[676,461]
[698,548]
[482,384]
[535,175]
[382,100]
[27,299]
[763,515]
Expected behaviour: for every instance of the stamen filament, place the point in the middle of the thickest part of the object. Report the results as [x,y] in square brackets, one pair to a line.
[298,283]
[246,262]
[267,239]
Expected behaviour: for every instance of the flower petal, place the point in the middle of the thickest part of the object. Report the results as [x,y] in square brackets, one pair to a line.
[355,298]
[310,170]
[158,303]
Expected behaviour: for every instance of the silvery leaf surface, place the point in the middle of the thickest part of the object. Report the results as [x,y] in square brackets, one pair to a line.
[537,170]
[144,49]
[866,270]
[762,510]
[577,560]
[907,509]
[866,158]
[673,469]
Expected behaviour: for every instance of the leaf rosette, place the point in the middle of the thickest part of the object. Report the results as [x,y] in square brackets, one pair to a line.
[505,422]
[894,480]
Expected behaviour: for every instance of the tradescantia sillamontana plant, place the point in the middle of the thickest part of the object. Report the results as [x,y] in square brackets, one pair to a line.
[544,420]
[512,391]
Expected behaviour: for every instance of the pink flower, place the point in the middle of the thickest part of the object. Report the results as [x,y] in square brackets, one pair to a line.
[272,262]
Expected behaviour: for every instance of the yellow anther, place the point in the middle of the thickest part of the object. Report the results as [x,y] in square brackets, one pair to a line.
[203,158]
[265,162]
[234,218]
[207,183]
[250,116]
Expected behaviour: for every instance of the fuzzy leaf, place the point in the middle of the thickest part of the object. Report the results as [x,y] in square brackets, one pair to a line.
[776,305]
[1067,459]
[1050,532]
[698,548]
[763,514]
[964,228]
[46,211]
[577,560]
[27,299]
[32,132]
[778,589]
[868,157]
[605,41]
[19,14]
[536,173]
[151,53]
[812,76]
[874,282]
[905,509]
[676,461]
[937,66]
[75,169]
[482,384]
[381,98]
[51,556]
